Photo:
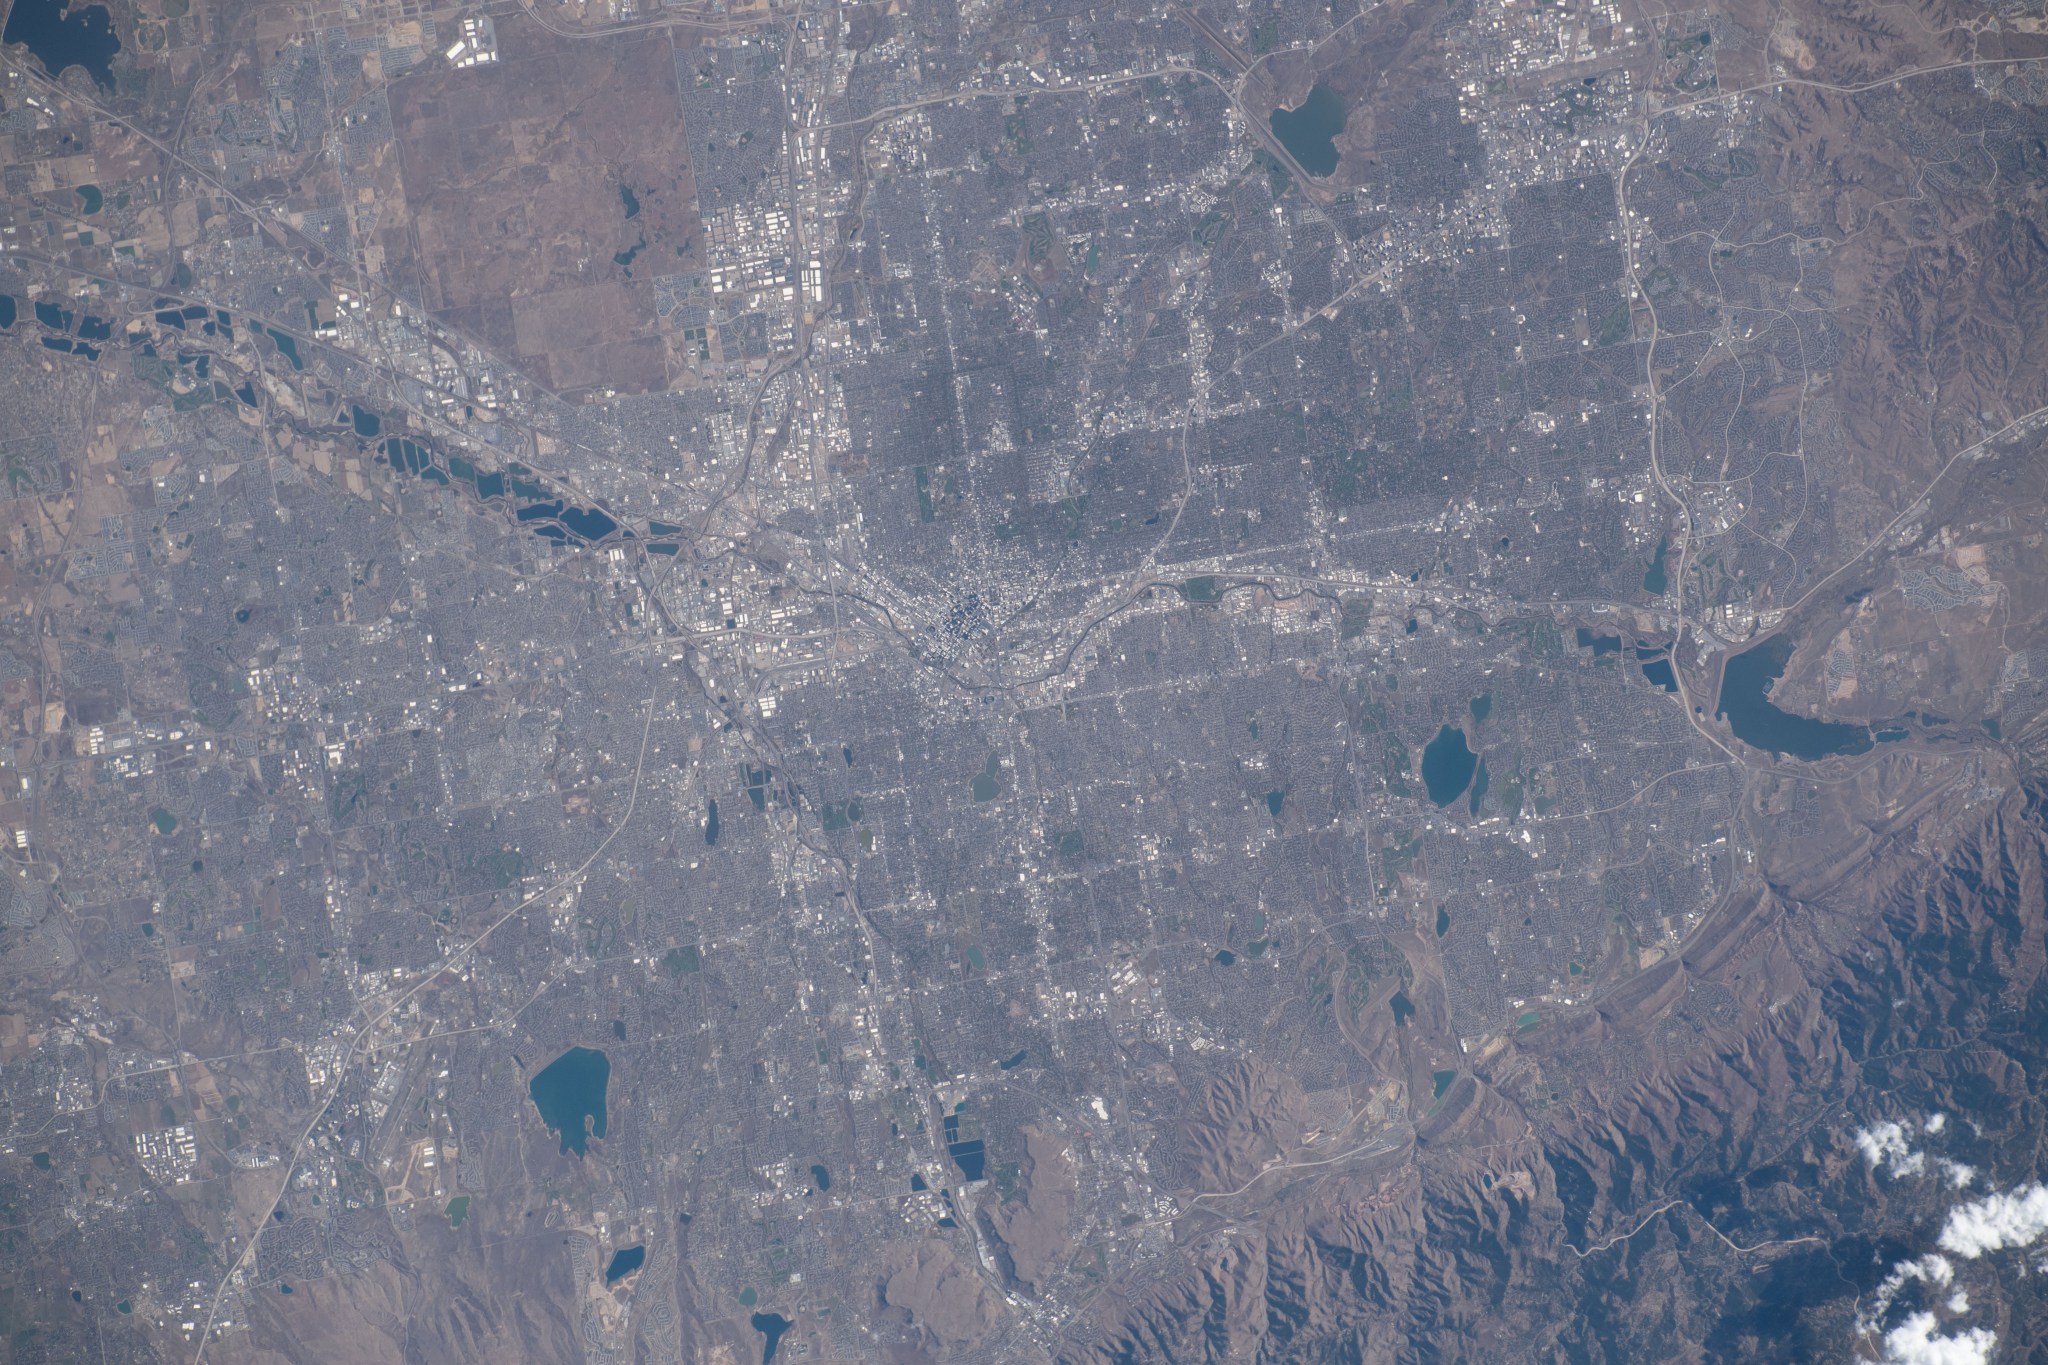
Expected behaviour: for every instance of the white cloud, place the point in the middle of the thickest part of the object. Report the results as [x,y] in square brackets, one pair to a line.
[1914,1342]
[2015,1219]
[1885,1145]
[1933,1269]
[1880,1141]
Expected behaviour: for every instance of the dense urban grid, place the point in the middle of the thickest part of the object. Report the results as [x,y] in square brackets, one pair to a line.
[1018,681]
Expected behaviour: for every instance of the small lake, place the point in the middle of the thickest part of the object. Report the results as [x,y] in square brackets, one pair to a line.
[1745,700]
[61,39]
[1447,766]
[771,1326]
[570,1092]
[589,523]
[1309,133]
[987,784]
[625,1261]
[1655,580]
